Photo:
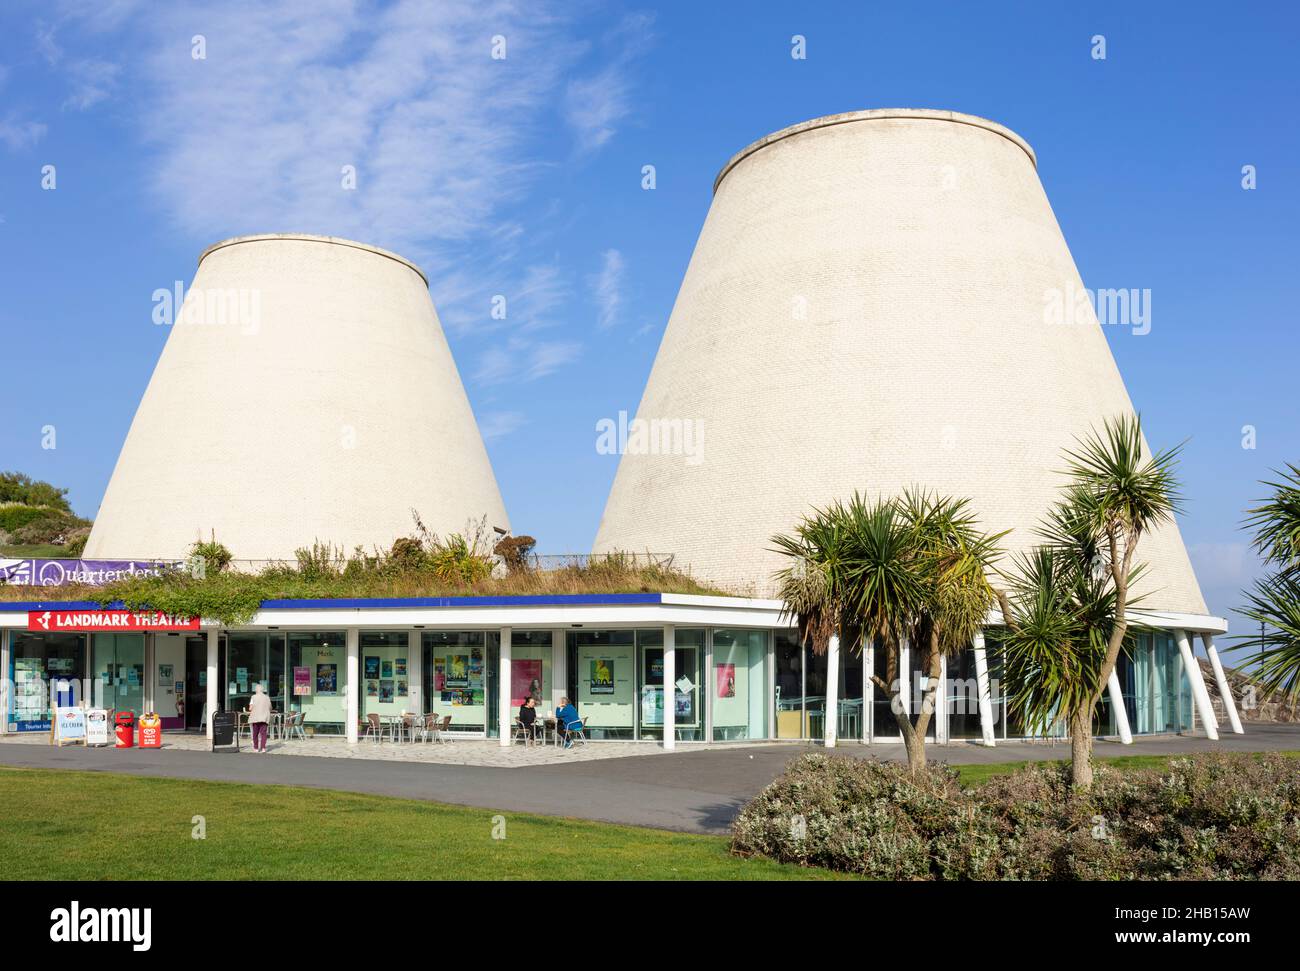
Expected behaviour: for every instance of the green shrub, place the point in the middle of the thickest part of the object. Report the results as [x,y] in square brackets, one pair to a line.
[1214,817]
[215,556]
[23,489]
[14,518]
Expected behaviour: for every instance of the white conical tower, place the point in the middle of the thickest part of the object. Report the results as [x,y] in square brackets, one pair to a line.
[306,392]
[870,306]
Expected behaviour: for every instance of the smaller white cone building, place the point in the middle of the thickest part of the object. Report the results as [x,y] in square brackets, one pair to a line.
[306,392]
[869,307]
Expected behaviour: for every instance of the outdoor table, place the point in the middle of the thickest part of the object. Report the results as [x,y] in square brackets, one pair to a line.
[395,723]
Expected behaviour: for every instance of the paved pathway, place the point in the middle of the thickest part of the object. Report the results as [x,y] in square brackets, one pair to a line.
[696,789]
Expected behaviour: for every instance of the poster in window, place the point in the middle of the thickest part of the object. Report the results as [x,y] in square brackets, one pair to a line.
[457,671]
[386,669]
[386,690]
[525,680]
[399,667]
[475,674]
[327,679]
[685,710]
[652,705]
[602,676]
[402,689]
[372,689]
[439,675]
[372,666]
[165,674]
[301,681]
[726,680]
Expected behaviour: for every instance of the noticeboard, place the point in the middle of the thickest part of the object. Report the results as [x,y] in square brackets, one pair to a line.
[224,731]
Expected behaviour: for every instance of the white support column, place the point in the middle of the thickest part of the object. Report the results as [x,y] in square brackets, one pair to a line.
[770,667]
[670,687]
[709,688]
[214,649]
[4,682]
[505,723]
[988,730]
[1221,679]
[559,668]
[353,685]
[905,676]
[415,671]
[1117,706]
[1201,696]
[832,691]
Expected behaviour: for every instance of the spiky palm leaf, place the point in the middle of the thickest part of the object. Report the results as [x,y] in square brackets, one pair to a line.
[1275,604]
[1276,522]
[1124,493]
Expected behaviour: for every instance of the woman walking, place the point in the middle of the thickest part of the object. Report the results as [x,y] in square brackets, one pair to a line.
[259,717]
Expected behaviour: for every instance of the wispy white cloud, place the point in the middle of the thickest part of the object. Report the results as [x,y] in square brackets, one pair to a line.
[595,105]
[91,81]
[524,359]
[17,134]
[607,288]
[498,424]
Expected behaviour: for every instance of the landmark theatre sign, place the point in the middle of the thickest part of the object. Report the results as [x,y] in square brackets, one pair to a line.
[119,621]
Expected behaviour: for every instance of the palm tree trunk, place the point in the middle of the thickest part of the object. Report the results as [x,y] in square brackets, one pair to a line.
[1081,748]
[914,743]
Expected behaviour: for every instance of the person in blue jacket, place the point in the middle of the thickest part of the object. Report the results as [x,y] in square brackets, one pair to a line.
[564,716]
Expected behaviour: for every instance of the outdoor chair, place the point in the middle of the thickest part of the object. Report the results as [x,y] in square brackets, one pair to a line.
[522,733]
[293,725]
[374,727]
[575,731]
[408,726]
[420,727]
[441,732]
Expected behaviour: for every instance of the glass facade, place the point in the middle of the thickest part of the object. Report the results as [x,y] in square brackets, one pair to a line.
[801,691]
[316,680]
[455,666]
[43,669]
[602,681]
[738,682]
[688,676]
[385,676]
[615,677]
[117,672]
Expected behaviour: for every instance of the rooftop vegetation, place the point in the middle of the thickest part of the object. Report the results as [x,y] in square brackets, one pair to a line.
[213,584]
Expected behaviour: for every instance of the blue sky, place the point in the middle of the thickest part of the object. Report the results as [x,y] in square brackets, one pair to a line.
[523,177]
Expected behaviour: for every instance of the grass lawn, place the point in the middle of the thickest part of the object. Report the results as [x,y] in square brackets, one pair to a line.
[972,775]
[38,552]
[63,825]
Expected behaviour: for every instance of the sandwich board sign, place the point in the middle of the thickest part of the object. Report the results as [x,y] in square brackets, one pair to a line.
[224,729]
[69,726]
[96,726]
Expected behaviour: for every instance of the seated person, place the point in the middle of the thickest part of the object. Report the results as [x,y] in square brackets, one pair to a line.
[528,717]
[565,715]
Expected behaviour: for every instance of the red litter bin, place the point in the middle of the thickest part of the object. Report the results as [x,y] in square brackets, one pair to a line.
[150,730]
[124,725]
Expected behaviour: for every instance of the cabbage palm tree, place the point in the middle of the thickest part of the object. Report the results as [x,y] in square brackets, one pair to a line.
[889,571]
[1274,602]
[1067,614]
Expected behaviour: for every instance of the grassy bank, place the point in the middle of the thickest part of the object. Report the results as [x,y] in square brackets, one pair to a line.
[61,825]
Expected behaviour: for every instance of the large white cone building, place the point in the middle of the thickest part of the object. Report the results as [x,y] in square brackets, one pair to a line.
[306,391]
[868,307]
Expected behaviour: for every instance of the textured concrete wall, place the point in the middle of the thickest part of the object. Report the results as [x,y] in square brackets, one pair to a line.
[327,409]
[864,310]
